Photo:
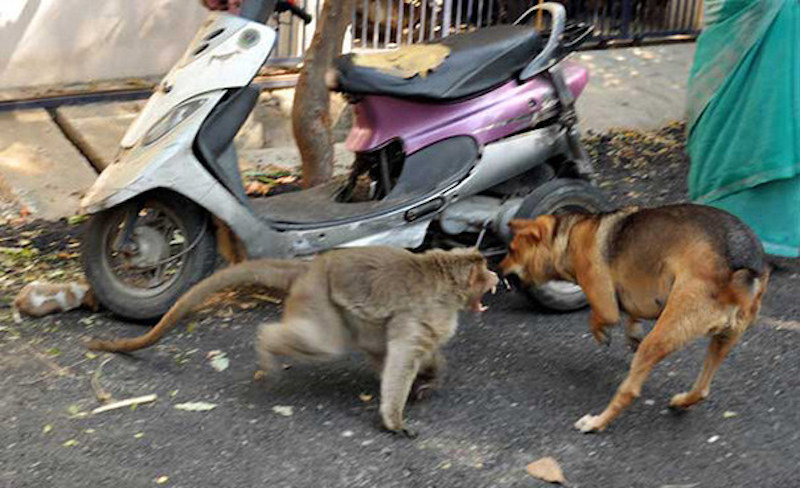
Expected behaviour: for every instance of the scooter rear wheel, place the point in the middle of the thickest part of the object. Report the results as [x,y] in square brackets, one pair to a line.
[142,255]
[560,195]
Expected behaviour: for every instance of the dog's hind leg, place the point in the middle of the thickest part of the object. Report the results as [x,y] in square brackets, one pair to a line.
[718,348]
[675,327]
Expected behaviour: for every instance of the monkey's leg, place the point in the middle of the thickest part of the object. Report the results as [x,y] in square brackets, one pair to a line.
[298,338]
[676,325]
[403,359]
[718,348]
[429,377]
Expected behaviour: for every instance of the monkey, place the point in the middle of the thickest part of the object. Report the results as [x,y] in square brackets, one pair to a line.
[396,306]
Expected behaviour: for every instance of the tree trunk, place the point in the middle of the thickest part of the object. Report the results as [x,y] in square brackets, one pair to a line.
[311,118]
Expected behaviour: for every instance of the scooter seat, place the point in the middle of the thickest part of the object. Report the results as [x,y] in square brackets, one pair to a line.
[477,61]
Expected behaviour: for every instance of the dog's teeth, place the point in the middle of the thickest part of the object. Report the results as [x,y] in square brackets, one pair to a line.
[483,308]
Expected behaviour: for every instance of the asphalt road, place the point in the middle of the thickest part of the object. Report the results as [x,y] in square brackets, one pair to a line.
[517,380]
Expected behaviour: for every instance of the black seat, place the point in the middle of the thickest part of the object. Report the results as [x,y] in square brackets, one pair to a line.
[478,61]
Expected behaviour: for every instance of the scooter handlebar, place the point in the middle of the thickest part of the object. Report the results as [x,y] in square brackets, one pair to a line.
[545,57]
[261,10]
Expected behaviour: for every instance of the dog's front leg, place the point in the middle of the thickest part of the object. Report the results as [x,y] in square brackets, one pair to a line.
[599,288]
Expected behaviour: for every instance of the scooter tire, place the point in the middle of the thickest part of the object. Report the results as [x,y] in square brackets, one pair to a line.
[554,196]
[125,301]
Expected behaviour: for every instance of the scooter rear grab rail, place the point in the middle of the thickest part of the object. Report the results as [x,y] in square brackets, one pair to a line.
[546,58]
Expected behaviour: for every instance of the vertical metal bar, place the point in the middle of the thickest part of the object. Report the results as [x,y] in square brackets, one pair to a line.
[353,25]
[422,14]
[469,13]
[458,15]
[410,22]
[681,16]
[364,17]
[388,35]
[400,9]
[376,26]
[480,13]
[626,18]
[434,16]
[447,17]
[489,13]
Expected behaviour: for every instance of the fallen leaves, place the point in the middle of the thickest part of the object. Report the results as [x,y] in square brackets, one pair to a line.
[218,359]
[130,402]
[284,410]
[161,480]
[195,406]
[729,414]
[47,428]
[365,397]
[70,443]
[547,469]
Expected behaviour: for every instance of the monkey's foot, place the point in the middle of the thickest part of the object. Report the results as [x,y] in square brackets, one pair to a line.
[421,391]
[589,423]
[404,432]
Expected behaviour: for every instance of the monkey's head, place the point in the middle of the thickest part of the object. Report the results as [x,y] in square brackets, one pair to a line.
[481,281]
[531,255]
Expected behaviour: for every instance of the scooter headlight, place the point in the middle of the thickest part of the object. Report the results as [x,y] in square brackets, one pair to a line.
[171,119]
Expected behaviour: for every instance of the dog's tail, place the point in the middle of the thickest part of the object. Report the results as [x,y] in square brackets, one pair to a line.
[747,288]
[271,273]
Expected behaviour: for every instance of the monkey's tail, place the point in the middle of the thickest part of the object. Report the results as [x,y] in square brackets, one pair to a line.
[270,273]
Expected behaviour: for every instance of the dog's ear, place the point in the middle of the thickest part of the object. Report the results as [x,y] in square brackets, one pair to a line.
[536,230]
[518,225]
[544,227]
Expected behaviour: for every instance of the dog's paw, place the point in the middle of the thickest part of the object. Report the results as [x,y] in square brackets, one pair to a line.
[683,401]
[602,338]
[633,342]
[589,423]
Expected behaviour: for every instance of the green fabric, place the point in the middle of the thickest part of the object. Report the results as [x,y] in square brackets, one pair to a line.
[743,109]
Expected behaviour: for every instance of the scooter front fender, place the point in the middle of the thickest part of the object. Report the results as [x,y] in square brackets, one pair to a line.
[171,164]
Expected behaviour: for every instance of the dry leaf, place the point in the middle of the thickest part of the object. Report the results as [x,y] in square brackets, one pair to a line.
[258,374]
[365,397]
[728,414]
[406,61]
[219,360]
[195,406]
[286,411]
[547,469]
[257,188]
[162,479]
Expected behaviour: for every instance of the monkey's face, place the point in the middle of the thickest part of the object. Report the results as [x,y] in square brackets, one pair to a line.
[481,281]
[530,254]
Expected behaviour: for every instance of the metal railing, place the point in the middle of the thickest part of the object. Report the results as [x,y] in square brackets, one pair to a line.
[385,24]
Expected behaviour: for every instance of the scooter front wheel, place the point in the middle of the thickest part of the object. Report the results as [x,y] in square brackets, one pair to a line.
[142,255]
[557,196]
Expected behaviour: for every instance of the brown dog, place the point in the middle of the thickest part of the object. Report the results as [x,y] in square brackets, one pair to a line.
[696,269]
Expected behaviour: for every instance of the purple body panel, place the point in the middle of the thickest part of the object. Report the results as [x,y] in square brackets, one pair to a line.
[491,116]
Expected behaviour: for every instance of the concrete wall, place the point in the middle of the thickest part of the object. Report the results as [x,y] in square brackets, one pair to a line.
[64,41]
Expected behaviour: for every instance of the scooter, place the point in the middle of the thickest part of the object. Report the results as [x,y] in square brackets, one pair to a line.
[446,159]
